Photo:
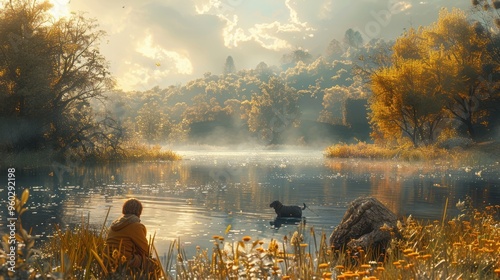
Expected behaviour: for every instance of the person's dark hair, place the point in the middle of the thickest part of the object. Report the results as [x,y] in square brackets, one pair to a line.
[132,206]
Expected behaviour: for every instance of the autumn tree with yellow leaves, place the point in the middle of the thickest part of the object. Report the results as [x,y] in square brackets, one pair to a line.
[438,77]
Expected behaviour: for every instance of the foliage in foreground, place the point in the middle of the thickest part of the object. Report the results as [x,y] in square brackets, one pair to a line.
[78,253]
[465,247]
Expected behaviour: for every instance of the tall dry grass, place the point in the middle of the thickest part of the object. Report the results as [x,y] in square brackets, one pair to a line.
[403,152]
[463,247]
[134,151]
[73,253]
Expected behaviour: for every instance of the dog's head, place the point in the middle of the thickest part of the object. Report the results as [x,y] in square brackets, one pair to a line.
[275,204]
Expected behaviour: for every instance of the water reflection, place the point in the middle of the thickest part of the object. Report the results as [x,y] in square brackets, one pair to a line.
[279,222]
[202,195]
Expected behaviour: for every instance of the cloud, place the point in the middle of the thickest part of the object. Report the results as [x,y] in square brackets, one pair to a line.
[270,34]
[191,37]
[178,62]
[154,64]
[326,9]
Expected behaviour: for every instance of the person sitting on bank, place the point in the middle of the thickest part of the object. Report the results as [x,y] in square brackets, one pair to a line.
[127,235]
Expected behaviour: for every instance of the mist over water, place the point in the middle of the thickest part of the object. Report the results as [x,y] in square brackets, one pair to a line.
[213,188]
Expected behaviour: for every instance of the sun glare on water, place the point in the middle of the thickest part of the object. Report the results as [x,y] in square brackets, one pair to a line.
[60,8]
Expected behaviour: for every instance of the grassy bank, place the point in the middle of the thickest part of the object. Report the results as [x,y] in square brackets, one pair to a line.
[464,247]
[130,152]
[141,152]
[476,153]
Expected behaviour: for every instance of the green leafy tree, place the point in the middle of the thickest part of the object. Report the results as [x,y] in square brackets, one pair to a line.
[273,111]
[296,56]
[334,50]
[353,39]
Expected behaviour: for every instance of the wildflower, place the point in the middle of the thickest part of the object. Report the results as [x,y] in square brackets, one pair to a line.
[339,267]
[323,265]
[414,254]
[407,251]
[246,238]
[366,266]
[427,256]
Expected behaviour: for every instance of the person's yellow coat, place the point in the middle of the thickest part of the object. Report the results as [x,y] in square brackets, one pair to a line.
[128,236]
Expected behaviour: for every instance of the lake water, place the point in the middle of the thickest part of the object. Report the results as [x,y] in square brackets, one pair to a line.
[211,189]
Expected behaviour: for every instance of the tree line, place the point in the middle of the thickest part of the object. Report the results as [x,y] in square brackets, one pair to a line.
[431,83]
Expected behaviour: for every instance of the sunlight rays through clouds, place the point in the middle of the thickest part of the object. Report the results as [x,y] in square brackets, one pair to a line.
[271,34]
[166,42]
[162,62]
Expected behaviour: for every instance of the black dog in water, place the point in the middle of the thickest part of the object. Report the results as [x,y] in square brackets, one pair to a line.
[287,211]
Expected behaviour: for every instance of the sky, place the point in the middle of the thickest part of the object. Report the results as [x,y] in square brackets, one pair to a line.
[170,42]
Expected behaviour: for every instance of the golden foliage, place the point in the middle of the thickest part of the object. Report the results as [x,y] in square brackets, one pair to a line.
[435,76]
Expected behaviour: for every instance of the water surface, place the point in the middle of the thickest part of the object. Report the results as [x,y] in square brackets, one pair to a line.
[209,190]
